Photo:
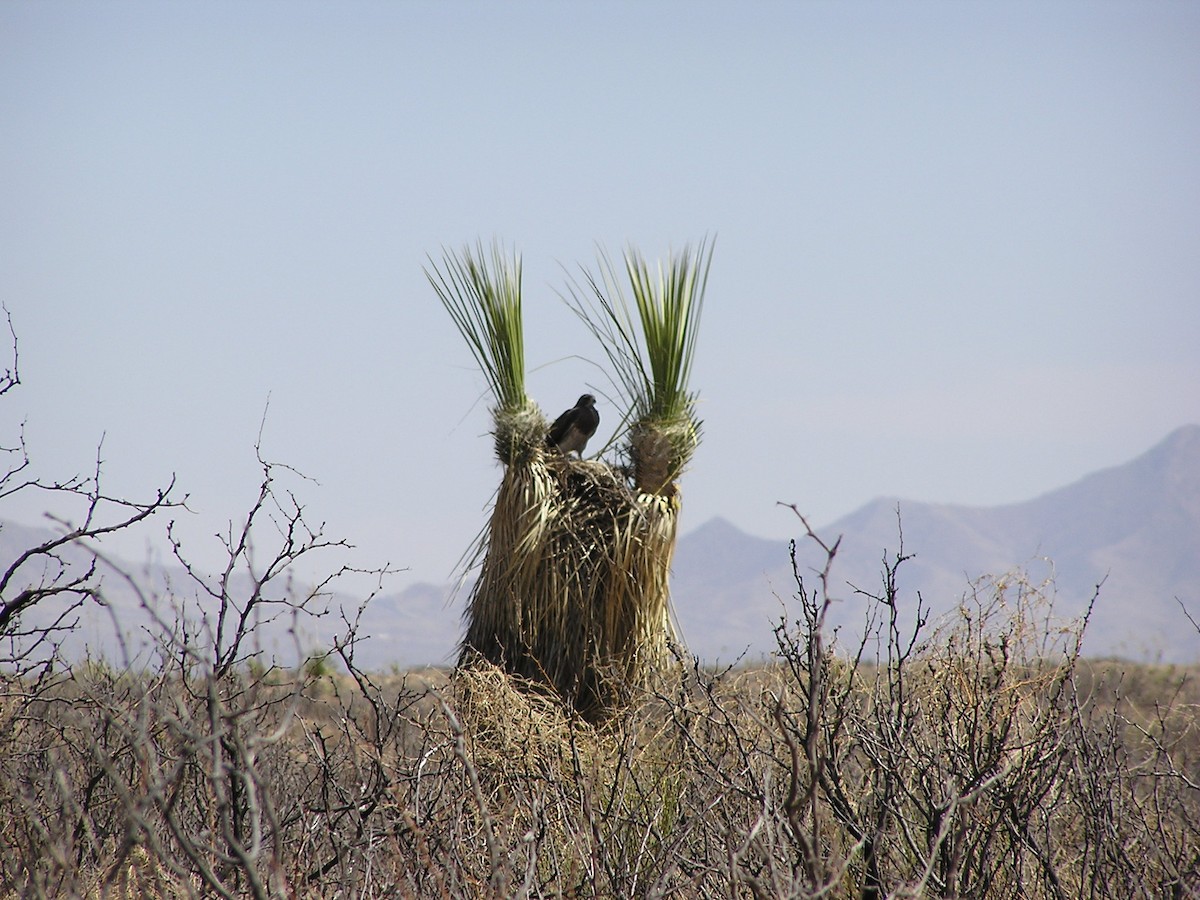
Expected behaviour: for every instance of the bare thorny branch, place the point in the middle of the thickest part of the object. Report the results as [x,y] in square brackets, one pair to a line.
[42,573]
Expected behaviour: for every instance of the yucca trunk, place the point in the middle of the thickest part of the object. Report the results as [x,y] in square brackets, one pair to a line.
[573,588]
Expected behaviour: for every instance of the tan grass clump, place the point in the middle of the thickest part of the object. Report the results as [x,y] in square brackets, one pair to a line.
[516,724]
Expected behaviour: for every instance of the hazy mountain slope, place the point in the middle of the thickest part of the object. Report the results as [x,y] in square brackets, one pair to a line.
[1134,527]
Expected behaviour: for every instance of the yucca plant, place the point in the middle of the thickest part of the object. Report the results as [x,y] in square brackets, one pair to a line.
[651,343]
[572,590]
[482,293]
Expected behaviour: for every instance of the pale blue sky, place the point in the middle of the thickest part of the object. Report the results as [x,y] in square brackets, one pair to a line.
[957,244]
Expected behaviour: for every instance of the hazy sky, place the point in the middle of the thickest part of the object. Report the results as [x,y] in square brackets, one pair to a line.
[957,244]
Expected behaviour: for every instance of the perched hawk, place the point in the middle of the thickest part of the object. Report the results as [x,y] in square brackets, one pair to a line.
[572,429]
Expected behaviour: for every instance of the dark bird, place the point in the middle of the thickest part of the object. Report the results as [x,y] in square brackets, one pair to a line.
[571,430]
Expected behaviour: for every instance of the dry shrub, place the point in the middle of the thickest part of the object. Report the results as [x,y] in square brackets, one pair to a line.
[476,785]
[972,757]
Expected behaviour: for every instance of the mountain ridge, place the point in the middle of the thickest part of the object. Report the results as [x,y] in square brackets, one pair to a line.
[1133,529]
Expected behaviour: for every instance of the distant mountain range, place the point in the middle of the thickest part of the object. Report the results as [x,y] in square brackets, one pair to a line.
[1135,528]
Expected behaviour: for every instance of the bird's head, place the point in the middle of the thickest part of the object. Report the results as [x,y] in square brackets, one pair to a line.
[586,400]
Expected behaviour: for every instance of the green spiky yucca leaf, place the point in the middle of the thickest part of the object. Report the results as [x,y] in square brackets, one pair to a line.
[651,343]
[482,293]
[668,306]
[485,303]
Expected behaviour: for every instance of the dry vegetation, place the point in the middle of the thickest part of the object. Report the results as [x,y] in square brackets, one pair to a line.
[975,757]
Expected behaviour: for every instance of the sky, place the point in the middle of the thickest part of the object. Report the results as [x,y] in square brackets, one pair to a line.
[956,245]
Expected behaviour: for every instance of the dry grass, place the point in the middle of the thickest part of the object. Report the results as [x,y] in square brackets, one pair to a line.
[473,784]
